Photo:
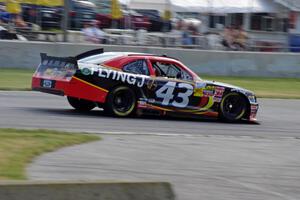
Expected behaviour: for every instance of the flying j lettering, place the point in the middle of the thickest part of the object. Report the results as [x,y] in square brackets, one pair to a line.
[131,79]
[121,76]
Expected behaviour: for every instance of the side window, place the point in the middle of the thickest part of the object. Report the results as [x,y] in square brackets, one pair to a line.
[171,71]
[137,67]
[186,76]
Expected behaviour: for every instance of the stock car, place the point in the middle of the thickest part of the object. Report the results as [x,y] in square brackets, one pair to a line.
[124,84]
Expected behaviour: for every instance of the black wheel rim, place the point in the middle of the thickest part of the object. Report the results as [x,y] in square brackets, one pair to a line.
[123,101]
[233,106]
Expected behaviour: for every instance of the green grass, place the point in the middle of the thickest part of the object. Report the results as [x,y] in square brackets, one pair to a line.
[19,147]
[20,79]
[15,79]
[265,87]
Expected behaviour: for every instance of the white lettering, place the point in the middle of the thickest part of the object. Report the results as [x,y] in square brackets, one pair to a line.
[100,73]
[141,83]
[131,79]
[122,76]
[118,76]
[108,73]
[114,75]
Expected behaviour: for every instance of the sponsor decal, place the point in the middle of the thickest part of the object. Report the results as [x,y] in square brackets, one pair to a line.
[207,91]
[152,85]
[142,104]
[48,72]
[151,100]
[254,108]
[47,83]
[131,79]
[252,116]
[86,71]
[198,90]
[217,99]
[219,91]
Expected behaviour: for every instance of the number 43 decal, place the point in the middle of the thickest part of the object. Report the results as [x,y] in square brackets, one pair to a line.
[166,92]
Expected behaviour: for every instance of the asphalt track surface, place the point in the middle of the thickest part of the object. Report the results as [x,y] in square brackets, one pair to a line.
[38,110]
[202,159]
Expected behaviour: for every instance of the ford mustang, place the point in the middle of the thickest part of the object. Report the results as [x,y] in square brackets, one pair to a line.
[125,84]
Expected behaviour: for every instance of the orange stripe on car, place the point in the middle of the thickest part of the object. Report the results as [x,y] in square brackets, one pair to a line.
[90,84]
[159,108]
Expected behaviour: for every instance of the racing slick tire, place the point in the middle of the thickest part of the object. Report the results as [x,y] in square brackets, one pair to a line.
[81,104]
[121,102]
[233,107]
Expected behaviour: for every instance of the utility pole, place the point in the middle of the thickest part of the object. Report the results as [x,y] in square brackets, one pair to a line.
[66,19]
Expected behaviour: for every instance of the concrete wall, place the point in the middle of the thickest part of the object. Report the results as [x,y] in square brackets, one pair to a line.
[85,191]
[26,55]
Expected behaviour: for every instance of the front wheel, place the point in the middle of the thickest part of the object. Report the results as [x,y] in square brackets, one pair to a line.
[121,102]
[233,107]
[81,104]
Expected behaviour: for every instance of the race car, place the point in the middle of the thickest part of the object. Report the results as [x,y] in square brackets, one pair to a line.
[124,84]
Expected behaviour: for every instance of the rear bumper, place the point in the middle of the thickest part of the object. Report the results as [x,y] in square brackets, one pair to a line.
[74,87]
[50,91]
[60,86]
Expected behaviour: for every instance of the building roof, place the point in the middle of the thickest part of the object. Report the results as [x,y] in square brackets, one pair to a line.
[209,6]
[217,6]
[291,4]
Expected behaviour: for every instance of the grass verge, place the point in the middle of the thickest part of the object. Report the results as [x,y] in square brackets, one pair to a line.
[18,148]
[20,79]
[288,88]
[15,79]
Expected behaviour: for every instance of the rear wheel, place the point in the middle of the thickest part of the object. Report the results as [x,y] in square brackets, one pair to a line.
[81,104]
[233,107]
[121,102]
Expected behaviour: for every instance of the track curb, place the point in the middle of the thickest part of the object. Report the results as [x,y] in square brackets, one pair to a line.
[83,190]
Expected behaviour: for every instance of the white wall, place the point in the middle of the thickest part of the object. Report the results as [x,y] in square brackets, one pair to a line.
[27,55]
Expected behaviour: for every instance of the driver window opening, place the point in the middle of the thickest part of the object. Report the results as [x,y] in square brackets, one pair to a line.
[170,70]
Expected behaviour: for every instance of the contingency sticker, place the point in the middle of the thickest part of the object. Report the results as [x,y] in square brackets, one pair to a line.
[198,90]
[207,91]
[219,91]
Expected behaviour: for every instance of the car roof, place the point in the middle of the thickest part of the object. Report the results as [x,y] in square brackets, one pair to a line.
[106,56]
[117,59]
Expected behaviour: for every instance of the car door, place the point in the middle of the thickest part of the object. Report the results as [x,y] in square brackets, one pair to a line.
[172,87]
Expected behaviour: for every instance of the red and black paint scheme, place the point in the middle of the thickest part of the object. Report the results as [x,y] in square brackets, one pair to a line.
[135,83]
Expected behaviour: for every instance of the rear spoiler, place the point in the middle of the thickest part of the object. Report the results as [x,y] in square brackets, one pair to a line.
[73,60]
[45,57]
[62,67]
[64,63]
